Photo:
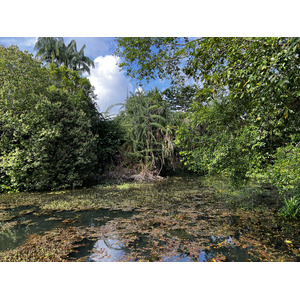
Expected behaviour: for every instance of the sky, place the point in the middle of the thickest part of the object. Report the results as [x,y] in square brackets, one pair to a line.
[126,19]
[111,84]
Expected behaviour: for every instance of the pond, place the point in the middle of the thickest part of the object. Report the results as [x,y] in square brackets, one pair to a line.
[180,219]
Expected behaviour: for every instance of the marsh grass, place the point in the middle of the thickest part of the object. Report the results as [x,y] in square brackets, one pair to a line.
[251,196]
[8,225]
[174,191]
[291,209]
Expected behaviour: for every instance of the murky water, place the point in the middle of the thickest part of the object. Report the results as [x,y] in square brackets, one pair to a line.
[177,220]
[27,220]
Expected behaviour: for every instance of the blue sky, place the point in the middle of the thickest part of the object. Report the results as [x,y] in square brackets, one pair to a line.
[111,84]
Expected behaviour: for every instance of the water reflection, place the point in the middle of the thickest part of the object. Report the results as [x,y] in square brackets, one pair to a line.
[26,220]
[113,249]
[107,250]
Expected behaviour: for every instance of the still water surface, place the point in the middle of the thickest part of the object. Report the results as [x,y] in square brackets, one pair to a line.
[178,220]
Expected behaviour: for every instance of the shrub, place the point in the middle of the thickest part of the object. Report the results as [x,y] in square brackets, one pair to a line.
[49,126]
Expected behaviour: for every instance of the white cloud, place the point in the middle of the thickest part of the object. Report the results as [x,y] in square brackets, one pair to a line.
[139,90]
[111,85]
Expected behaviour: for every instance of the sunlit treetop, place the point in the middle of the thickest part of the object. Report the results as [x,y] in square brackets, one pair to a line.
[179,59]
[151,58]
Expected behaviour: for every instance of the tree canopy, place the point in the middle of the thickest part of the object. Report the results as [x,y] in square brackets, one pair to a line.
[243,119]
[54,50]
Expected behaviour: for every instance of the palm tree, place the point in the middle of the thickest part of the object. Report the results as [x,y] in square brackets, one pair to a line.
[77,60]
[49,49]
[52,49]
[148,138]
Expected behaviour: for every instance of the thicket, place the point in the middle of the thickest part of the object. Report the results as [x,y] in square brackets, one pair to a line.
[51,134]
[242,116]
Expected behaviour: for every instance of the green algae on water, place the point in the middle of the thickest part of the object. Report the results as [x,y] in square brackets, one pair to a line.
[179,219]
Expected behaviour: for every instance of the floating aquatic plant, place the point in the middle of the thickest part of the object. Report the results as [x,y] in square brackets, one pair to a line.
[179,219]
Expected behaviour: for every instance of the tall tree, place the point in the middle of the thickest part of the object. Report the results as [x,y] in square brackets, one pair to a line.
[77,60]
[54,50]
[49,49]
[148,135]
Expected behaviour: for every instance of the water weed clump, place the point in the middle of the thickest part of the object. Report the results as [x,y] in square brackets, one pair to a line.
[53,246]
[291,210]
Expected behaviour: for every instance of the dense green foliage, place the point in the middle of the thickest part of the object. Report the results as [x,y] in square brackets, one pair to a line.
[180,98]
[244,119]
[51,135]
